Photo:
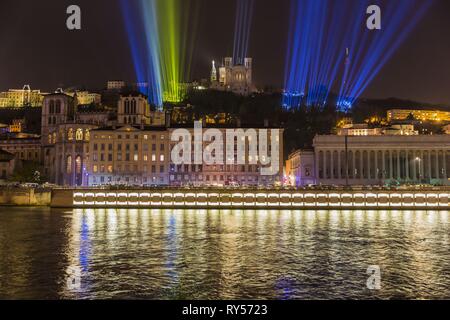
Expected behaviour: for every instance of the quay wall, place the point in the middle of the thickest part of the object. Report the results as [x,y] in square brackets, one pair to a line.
[25,197]
[253,199]
[431,199]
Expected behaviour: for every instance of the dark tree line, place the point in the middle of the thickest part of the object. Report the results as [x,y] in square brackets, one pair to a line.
[300,125]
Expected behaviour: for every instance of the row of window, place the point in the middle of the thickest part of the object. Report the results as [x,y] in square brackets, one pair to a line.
[78,135]
[54,106]
[145,147]
[128,180]
[127,169]
[78,165]
[129,136]
[127,157]
[227,168]
[130,107]
[221,178]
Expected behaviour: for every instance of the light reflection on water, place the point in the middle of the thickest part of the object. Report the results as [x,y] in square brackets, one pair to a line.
[223,254]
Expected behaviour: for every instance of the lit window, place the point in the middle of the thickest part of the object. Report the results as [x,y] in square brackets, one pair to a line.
[153,157]
[79,135]
[136,157]
[95,168]
[70,134]
[161,158]
[69,165]
[78,165]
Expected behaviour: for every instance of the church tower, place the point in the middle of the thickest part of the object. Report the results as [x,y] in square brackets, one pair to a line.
[213,72]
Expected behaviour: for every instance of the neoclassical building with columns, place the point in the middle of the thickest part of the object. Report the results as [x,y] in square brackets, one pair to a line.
[378,160]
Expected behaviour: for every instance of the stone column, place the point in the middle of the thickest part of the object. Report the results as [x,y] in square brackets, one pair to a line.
[407,165]
[339,165]
[429,165]
[376,169]
[416,163]
[438,176]
[352,175]
[332,165]
[444,156]
[361,164]
[316,166]
[391,171]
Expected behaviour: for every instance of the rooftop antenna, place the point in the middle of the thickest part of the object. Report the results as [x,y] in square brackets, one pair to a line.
[347,64]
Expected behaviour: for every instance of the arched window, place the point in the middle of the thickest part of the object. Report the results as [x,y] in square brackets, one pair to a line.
[51,106]
[69,165]
[78,165]
[58,106]
[87,135]
[79,135]
[70,134]
[54,138]
[127,107]
[49,139]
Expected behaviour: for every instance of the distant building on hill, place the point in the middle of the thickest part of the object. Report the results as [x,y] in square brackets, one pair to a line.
[234,77]
[419,115]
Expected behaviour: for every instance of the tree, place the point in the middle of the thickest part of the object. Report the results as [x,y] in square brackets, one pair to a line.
[29,172]
[411,117]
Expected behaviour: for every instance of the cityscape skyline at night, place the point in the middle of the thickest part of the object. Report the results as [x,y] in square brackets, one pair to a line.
[225,156]
[213,40]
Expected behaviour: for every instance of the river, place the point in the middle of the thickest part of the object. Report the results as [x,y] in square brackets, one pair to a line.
[222,254]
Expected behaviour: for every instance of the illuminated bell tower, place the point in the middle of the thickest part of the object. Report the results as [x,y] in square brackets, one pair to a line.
[26,95]
[248,69]
[213,72]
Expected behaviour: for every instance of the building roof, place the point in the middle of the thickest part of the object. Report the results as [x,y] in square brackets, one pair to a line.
[90,108]
[132,93]
[58,94]
[134,127]
[223,126]
[20,136]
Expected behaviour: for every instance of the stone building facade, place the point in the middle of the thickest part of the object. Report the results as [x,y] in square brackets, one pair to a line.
[129,155]
[300,168]
[65,141]
[234,76]
[223,174]
[377,160]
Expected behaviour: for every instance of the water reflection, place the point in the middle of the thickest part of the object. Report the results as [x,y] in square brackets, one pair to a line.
[224,254]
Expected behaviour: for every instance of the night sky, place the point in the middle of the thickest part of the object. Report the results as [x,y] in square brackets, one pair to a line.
[37,49]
